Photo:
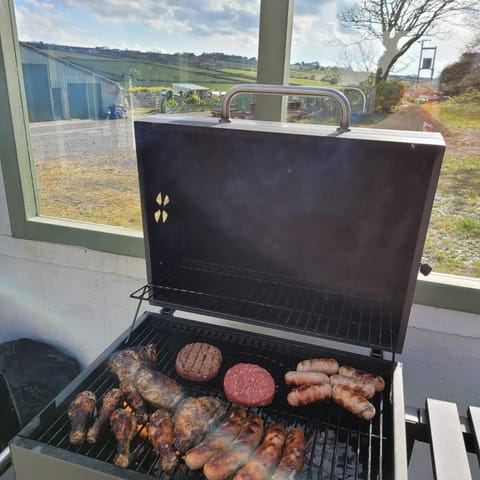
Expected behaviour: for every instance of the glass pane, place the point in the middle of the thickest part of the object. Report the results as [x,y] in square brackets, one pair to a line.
[91,68]
[432,86]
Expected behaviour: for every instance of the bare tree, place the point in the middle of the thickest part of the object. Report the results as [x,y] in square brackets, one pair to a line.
[474,22]
[398,24]
[360,56]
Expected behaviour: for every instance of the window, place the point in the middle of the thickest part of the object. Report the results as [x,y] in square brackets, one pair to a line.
[433,86]
[90,69]
[40,199]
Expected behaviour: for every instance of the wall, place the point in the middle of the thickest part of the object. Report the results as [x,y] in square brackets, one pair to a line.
[73,298]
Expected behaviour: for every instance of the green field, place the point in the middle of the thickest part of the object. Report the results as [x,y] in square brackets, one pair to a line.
[215,74]
[143,72]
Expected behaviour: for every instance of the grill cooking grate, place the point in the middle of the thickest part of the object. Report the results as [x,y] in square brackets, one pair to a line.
[266,299]
[339,446]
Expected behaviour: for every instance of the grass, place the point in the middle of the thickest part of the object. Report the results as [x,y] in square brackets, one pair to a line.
[453,240]
[454,114]
[146,72]
[105,194]
[469,227]
[248,74]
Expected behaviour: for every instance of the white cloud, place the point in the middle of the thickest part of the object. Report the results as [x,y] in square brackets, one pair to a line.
[230,26]
[316,37]
[40,21]
[228,16]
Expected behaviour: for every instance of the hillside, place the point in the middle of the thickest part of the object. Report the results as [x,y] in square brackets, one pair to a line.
[214,70]
[217,71]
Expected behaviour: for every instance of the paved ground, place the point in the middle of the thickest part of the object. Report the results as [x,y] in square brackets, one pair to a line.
[93,141]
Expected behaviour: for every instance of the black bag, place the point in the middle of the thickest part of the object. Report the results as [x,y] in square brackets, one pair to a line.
[31,374]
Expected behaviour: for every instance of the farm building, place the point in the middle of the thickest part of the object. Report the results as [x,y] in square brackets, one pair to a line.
[182,89]
[57,89]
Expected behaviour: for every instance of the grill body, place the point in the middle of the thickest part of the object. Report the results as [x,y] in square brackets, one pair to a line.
[339,446]
[295,229]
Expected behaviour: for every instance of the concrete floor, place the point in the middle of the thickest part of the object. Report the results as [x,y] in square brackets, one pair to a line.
[445,367]
[8,475]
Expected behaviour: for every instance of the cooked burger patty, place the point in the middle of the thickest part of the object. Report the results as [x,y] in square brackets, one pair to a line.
[198,361]
[249,385]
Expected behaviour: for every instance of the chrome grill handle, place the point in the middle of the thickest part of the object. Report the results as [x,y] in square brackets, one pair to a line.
[265,89]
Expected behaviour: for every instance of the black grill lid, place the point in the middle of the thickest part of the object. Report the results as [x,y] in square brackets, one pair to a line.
[291,226]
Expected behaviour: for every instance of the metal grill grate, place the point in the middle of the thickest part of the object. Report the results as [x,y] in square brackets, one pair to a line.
[266,299]
[339,445]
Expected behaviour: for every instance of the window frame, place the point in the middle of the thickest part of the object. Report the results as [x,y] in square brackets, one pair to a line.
[276,20]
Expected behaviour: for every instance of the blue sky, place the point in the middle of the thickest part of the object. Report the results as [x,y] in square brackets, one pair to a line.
[229,26]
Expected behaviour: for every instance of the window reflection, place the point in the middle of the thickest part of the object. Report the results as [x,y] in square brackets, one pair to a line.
[431,87]
[82,98]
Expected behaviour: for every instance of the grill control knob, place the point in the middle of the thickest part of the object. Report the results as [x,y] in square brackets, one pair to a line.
[425,269]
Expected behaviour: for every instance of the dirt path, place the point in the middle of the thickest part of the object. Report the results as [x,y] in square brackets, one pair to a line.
[461,142]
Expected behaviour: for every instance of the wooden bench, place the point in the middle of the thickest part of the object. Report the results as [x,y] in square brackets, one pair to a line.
[450,437]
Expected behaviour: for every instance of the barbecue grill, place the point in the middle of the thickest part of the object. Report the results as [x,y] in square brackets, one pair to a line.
[284,235]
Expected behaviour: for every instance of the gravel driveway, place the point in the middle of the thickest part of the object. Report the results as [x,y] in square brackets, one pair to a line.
[92,141]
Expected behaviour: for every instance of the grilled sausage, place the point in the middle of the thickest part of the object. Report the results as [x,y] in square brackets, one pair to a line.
[353,402]
[377,380]
[293,456]
[305,378]
[227,461]
[266,457]
[308,394]
[199,455]
[325,365]
[367,389]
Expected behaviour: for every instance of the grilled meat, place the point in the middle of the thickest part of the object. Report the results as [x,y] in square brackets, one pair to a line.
[156,388]
[306,394]
[353,402]
[125,363]
[377,380]
[325,365]
[266,457]
[199,362]
[111,401]
[124,428]
[305,378]
[160,435]
[135,401]
[228,460]
[223,436]
[80,412]
[293,457]
[365,388]
[193,418]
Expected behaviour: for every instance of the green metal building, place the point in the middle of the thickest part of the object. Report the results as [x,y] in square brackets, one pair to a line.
[59,90]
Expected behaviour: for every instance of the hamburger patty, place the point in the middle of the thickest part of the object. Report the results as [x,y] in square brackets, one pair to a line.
[199,362]
[249,385]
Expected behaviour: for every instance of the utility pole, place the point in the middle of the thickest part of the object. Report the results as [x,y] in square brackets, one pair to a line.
[426,63]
